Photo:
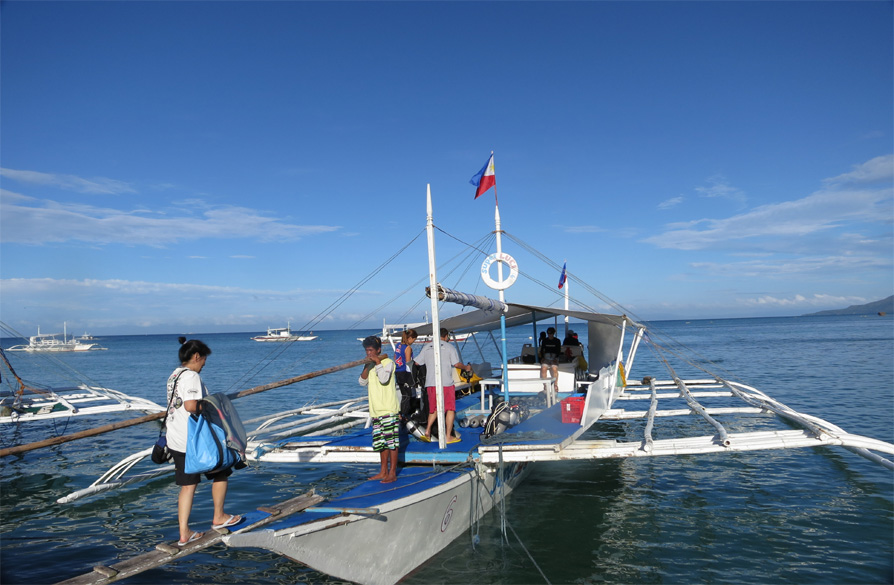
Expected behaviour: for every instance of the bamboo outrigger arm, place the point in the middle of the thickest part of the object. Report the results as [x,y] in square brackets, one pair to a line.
[155,416]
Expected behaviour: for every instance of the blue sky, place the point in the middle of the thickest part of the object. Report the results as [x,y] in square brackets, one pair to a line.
[228,166]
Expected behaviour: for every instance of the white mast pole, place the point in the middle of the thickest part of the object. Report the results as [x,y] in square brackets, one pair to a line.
[499,231]
[566,296]
[435,319]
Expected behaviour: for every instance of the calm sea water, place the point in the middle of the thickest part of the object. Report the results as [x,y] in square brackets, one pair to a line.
[818,515]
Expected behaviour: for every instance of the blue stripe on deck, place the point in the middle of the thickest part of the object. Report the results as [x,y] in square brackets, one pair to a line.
[414,478]
[544,428]
[372,494]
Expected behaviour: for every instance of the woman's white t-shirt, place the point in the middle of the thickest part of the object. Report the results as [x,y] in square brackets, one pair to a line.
[189,387]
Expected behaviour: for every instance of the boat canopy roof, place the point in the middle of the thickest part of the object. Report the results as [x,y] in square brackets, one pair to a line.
[481,320]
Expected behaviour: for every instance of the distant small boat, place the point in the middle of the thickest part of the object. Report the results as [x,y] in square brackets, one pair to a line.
[51,342]
[283,334]
[391,333]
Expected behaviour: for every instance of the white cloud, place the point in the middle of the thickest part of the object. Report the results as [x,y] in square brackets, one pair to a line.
[826,267]
[818,212]
[127,287]
[879,169]
[720,187]
[97,185]
[804,302]
[33,221]
[12,196]
[584,229]
[672,202]
[116,305]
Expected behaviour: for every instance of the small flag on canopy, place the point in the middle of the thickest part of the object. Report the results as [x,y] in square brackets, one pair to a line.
[485,178]
[563,276]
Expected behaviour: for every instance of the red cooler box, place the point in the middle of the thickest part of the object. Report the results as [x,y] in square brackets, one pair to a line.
[573,409]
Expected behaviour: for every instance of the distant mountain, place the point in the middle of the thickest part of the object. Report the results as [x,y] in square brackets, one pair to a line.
[882,306]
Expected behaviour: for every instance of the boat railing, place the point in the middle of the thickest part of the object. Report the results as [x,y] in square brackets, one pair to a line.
[315,418]
[39,404]
[328,418]
[813,431]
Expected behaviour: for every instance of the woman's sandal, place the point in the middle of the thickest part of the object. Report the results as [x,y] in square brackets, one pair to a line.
[192,538]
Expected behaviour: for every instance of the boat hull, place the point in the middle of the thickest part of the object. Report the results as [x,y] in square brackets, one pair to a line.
[283,334]
[50,342]
[405,533]
[291,338]
[44,346]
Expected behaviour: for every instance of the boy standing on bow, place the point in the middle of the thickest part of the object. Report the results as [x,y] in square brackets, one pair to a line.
[383,407]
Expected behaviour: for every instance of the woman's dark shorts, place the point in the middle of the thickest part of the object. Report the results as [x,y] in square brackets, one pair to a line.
[182,478]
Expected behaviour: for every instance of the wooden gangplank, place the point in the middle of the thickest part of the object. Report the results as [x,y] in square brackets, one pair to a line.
[168,552]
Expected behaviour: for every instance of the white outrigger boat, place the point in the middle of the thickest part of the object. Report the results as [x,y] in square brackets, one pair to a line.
[283,334]
[33,403]
[50,342]
[24,402]
[378,533]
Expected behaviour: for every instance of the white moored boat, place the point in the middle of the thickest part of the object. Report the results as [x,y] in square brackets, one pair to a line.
[51,342]
[283,334]
[377,534]
[391,333]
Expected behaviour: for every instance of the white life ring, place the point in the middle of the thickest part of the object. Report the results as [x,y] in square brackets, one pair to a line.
[505,259]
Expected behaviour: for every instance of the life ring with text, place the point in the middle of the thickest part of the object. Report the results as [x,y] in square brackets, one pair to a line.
[505,259]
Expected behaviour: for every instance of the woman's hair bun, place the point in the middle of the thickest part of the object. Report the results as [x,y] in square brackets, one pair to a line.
[182,340]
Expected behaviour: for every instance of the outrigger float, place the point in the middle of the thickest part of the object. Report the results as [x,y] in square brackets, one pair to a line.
[24,402]
[444,489]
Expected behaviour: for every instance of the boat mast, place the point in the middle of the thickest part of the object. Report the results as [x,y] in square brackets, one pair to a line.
[565,286]
[435,319]
[499,231]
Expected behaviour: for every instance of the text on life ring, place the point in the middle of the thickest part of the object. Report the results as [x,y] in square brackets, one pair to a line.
[505,259]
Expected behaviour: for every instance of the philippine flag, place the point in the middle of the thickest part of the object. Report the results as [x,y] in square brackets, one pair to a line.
[485,178]
[562,276]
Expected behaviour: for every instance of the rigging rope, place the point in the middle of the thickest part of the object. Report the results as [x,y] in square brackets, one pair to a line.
[656,333]
[504,522]
[265,362]
[320,317]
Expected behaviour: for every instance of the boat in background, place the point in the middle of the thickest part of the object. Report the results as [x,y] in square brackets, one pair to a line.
[391,332]
[51,342]
[283,334]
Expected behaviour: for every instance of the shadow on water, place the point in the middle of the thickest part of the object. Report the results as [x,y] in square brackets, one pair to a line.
[549,518]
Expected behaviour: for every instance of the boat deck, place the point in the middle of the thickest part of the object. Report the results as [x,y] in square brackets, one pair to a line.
[545,431]
[364,499]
